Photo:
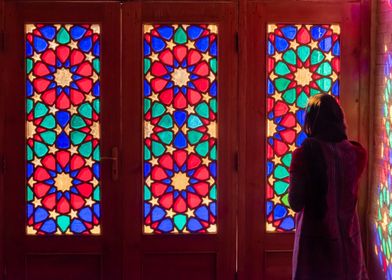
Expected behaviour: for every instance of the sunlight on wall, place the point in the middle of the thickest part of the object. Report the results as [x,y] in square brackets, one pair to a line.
[383,225]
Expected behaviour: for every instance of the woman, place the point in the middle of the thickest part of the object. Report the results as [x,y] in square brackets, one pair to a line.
[324,176]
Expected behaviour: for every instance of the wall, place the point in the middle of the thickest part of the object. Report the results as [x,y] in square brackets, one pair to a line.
[380,154]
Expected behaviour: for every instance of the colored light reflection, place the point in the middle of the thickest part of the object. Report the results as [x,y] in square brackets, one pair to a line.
[383,225]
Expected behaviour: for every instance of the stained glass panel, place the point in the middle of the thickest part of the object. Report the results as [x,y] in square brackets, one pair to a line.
[383,222]
[62,128]
[180,128]
[302,60]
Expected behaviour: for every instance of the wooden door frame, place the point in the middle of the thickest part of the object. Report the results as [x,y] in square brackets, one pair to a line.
[2,123]
[254,242]
[135,242]
[18,245]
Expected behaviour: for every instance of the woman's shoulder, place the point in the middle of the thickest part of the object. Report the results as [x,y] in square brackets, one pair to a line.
[359,149]
[305,147]
[357,145]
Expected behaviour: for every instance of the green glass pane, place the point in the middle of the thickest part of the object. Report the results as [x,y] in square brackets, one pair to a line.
[314,91]
[281,172]
[166,122]
[303,53]
[213,192]
[157,110]
[281,84]
[286,159]
[165,136]
[213,105]
[213,65]
[302,100]
[63,36]
[29,105]
[147,105]
[180,36]
[96,106]
[290,95]
[86,149]
[324,84]
[203,110]
[280,187]
[285,200]
[77,137]
[86,110]
[97,153]
[29,194]
[180,221]
[147,193]
[194,122]
[97,194]
[40,149]
[316,57]
[281,69]
[147,153]
[202,148]
[77,122]
[147,65]
[48,122]
[49,137]
[29,153]
[157,149]
[97,65]
[290,57]
[194,136]
[324,69]
[213,153]
[63,222]
[40,110]
[29,65]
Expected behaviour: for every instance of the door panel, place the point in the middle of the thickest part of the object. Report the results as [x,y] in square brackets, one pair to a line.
[182,265]
[66,117]
[179,254]
[79,266]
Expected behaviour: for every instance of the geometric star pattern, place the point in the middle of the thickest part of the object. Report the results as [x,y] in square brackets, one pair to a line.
[180,128]
[383,221]
[302,60]
[62,129]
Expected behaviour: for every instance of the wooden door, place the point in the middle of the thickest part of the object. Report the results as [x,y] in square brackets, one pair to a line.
[284,46]
[62,94]
[170,41]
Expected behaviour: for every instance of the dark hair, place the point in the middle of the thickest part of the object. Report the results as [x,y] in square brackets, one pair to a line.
[324,119]
[317,186]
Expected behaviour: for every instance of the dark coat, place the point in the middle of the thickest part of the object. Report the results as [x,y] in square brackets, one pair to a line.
[330,247]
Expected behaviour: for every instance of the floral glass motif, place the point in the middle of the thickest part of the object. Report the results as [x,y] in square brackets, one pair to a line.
[383,221]
[302,60]
[62,128]
[180,128]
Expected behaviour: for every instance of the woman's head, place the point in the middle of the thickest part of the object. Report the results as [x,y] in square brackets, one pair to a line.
[325,118]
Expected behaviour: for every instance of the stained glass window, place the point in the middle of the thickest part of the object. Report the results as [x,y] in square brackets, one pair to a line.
[383,222]
[302,60]
[62,128]
[180,128]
